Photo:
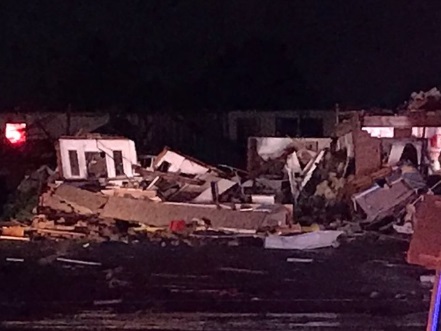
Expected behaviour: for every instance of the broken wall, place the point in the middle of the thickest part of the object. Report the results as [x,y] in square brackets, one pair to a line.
[161,214]
[179,163]
[395,147]
[73,161]
[264,149]
[71,200]
[367,152]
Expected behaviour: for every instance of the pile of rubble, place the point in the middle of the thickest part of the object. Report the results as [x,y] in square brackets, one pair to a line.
[428,100]
[100,191]
[106,195]
[351,181]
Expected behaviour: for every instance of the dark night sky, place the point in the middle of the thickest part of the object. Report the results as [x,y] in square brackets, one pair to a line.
[217,54]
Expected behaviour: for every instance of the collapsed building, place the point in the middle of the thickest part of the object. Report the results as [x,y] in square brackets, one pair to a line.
[289,183]
[374,168]
[99,185]
[368,175]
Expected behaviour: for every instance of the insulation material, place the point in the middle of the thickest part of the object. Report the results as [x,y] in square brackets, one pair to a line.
[270,148]
[395,154]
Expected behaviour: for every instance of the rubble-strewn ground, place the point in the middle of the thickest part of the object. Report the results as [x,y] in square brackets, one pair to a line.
[180,247]
[361,285]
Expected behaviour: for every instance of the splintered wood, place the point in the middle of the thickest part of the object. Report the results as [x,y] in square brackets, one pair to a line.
[14,238]
[60,234]
[13,231]
[132,193]
[92,229]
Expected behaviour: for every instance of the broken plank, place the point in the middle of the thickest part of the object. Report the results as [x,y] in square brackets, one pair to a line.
[168,176]
[299,260]
[14,231]
[14,259]
[244,271]
[173,276]
[62,259]
[233,230]
[58,233]
[14,238]
[107,302]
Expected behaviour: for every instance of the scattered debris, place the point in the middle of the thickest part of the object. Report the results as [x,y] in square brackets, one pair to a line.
[13,231]
[300,192]
[299,260]
[428,279]
[243,271]
[62,259]
[424,100]
[407,228]
[311,240]
[14,238]
[14,259]
[25,199]
[374,294]
[107,302]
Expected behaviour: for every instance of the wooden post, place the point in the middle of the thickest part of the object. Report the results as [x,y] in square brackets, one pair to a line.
[435,302]
[215,193]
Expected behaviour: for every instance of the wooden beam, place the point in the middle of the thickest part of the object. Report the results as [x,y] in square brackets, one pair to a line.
[169,176]
[402,122]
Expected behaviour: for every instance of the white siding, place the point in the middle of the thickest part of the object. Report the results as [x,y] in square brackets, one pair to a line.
[126,146]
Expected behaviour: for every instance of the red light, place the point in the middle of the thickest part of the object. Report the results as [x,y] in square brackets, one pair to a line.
[16,133]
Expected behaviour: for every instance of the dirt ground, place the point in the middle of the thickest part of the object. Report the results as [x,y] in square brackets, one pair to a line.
[364,284]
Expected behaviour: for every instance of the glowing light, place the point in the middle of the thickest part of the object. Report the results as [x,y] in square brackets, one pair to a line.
[16,133]
[380,132]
